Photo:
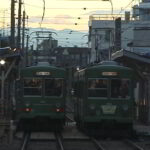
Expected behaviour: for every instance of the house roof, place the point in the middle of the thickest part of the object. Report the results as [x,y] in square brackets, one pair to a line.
[141,63]
[130,55]
[72,50]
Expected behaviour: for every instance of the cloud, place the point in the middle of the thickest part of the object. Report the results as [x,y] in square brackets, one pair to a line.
[59,19]
[103,12]
[35,19]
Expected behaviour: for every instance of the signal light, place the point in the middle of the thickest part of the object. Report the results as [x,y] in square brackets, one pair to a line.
[27,109]
[59,109]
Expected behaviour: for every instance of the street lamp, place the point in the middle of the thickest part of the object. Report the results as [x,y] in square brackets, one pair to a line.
[2,63]
[78,68]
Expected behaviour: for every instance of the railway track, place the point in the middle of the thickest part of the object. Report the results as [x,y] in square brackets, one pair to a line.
[59,142]
[25,141]
[40,144]
[93,144]
[116,145]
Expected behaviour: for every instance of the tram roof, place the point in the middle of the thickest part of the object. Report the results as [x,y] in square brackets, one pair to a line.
[108,65]
[48,67]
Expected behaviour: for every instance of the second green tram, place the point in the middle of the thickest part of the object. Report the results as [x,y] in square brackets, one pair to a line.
[104,96]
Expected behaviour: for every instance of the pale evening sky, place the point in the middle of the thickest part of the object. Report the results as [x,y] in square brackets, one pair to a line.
[62,14]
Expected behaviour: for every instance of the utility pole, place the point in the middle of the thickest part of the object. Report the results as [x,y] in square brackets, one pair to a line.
[23,36]
[26,53]
[19,24]
[23,31]
[96,45]
[37,49]
[12,37]
[118,34]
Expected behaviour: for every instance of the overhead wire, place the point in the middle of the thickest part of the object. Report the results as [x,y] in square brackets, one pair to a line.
[25,14]
[122,9]
[65,8]
[43,13]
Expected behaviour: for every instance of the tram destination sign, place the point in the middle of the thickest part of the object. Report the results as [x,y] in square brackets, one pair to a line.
[109,73]
[42,73]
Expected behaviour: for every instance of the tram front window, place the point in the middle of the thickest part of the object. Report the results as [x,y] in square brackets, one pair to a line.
[32,87]
[120,88]
[53,87]
[97,88]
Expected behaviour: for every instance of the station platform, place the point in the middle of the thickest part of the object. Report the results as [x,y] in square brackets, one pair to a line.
[4,124]
[142,129]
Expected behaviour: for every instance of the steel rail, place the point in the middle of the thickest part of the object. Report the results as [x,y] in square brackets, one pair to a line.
[25,141]
[134,145]
[97,144]
[59,141]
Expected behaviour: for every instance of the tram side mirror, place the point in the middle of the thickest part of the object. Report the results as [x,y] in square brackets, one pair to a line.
[135,84]
[18,87]
[72,92]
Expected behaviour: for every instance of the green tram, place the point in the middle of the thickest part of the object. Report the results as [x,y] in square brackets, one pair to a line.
[104,96]
[40,96]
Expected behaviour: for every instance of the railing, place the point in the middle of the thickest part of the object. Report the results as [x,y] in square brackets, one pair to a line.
[110,17]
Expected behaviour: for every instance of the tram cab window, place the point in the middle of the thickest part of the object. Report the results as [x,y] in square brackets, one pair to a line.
[97,88]
[120,88]
[53,87]
[32,87]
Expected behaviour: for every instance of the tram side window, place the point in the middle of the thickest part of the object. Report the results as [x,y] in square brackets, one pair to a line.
[120,88]
[97,88]
[32,87]
[53,87]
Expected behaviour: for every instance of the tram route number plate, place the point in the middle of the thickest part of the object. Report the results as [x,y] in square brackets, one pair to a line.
[108,109]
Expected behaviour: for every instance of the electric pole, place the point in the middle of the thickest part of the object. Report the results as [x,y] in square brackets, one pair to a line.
[118,34]
[26,53]
[19,24]
[12,36]
[23,30]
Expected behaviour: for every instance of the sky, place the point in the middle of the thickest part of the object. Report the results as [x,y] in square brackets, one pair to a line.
[63,14]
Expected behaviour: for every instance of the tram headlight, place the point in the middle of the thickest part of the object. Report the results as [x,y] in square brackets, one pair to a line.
[92,107]
[59,108]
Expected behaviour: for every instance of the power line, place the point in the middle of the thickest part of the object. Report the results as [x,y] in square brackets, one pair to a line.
[43,13]
[61,23]
[36,6]
[126,6]
[61,17]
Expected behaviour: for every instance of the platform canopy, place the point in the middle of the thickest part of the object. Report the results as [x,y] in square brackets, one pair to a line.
[140,63]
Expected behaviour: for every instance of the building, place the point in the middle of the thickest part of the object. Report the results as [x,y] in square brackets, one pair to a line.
[125,38]
[140,65]
[71,57]
[4,41]
[49,44]
[43,51]
[108,34]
